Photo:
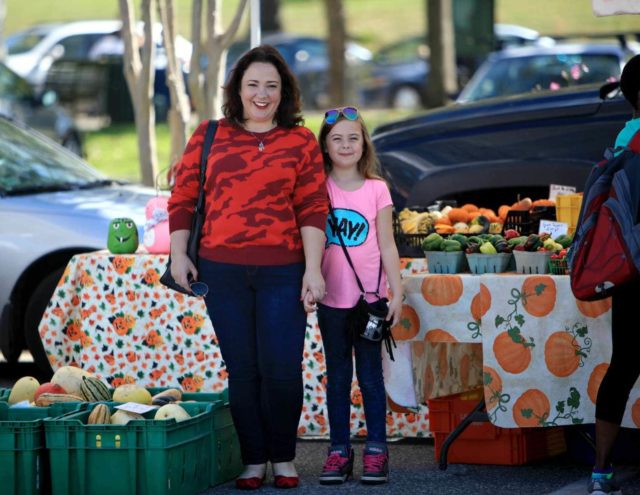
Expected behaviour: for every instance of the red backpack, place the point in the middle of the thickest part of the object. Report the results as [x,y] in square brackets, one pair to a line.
[605,252]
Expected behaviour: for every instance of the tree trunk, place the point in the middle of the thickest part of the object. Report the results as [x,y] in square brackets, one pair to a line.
[270,16]
[180,108]
[196,76]
[441,80]
[337,39]
[139,74]
[3,16]
[206,92]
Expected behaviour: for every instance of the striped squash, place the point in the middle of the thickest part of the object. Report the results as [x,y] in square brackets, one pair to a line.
[94,389]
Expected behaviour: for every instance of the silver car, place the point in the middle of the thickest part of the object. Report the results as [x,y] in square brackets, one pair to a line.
[53,205]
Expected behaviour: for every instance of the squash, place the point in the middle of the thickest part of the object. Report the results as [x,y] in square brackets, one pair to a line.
[469,207]
[458,215]
[543,202]
[94,390]
[70,379]
[442,228]
[522,205]
[502,212]
[100,415]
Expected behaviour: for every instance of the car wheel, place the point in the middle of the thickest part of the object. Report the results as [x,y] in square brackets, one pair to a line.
[35,308]
[406,97]
[72,143]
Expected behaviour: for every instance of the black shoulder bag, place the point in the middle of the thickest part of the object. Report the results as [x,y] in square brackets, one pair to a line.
[368,320]
[198,215]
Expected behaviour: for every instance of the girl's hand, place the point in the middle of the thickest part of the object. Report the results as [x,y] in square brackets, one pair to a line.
[312,282]
[309,303]
[395,308]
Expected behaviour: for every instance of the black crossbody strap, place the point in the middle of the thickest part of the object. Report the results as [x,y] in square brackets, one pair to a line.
[346,253]
[212,127]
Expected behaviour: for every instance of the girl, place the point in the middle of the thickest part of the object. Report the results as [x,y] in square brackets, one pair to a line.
[362,214]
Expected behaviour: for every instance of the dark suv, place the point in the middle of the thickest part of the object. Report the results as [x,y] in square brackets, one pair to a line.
[490,152]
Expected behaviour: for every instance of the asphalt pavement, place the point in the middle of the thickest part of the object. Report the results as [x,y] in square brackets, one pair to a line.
[414,470]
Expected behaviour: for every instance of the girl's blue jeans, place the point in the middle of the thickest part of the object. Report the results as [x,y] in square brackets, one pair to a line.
[339,345]
[260,324]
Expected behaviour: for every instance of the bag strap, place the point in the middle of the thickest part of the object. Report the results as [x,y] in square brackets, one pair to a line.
[212,127]
[346,253]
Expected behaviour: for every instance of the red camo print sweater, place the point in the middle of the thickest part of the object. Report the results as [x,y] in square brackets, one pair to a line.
[255,201]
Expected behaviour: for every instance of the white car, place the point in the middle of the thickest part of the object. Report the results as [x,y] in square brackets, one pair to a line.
[53,205]
[31,52]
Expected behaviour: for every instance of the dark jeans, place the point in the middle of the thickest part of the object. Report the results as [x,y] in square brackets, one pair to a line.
[260,324]
[624,367]
[339,345]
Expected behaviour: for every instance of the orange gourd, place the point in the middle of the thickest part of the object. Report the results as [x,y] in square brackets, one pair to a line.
[502,211]
[458,215]
[522,205]
[543,202]
[470,207]
[442,228]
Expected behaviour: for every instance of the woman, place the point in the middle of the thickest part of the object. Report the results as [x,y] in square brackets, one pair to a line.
[624,368]
[260,253]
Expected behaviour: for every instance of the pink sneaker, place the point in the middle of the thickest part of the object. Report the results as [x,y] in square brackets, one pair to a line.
[337,467]
[376,465]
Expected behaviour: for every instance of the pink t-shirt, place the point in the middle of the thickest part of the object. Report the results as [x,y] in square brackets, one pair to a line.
[356,213]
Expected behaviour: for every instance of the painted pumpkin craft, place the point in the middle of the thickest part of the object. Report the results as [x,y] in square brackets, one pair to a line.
[122,237]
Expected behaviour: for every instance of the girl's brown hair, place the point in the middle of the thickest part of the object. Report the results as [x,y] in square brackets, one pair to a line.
[368,163]
[288,114]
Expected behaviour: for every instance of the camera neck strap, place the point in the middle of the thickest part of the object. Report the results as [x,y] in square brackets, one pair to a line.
[346,253]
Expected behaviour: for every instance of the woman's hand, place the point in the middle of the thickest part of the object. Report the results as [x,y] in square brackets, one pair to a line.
[395,308]
[183,270]
[312,282]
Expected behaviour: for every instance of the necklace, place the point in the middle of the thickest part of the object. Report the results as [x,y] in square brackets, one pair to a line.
[260,141]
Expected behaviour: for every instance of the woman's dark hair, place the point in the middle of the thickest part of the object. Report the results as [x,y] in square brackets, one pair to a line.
[289,111]
[630,81]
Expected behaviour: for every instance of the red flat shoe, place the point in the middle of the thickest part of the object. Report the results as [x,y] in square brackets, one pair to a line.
[286,481]
[249,483]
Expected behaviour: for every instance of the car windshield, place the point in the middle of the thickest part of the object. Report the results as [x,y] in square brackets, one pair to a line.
[23,42]
[32,164]
[541,72]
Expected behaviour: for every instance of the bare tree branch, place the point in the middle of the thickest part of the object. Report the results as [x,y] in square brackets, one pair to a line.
[206,92]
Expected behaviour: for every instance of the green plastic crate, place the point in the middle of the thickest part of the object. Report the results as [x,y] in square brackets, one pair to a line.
[144,457]
[226,462]
[4,394]
[24,461]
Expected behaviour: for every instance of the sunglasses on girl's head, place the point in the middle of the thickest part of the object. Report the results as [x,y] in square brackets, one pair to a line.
[332,116]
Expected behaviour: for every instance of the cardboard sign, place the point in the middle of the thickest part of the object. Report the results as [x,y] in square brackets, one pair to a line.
[558,190]
[554,229]
[134,407]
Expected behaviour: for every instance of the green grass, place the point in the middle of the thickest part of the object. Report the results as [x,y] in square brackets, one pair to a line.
[371,22]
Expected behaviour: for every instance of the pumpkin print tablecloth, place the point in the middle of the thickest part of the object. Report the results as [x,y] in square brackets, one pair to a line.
[544,353]
[111,316]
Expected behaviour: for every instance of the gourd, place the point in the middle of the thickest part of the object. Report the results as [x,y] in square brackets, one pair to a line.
[100,415]
[47,398]
[94,390]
